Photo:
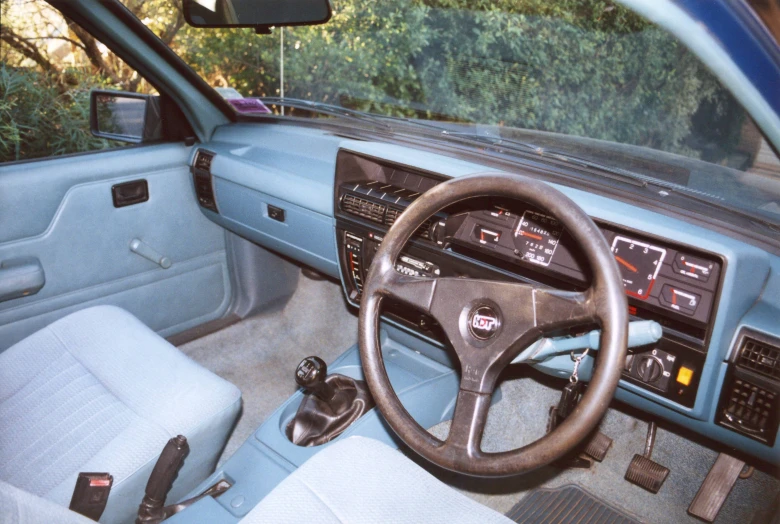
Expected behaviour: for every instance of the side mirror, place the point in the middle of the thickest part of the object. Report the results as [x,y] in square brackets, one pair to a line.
[123,116]
[260,14]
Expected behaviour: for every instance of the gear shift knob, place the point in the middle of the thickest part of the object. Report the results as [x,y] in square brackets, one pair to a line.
[310,375]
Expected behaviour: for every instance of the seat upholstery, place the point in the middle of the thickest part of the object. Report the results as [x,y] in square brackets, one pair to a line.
[20,507]
[364,481]
[99,391]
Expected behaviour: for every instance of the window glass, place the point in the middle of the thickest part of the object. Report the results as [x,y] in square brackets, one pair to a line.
[586,77]
[48,65]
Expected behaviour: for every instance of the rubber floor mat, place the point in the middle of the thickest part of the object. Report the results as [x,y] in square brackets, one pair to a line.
[566,505]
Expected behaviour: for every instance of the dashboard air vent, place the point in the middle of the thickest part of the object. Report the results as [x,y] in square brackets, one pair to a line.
[749,409]
[363,208]
[393,214]
[203,160]
[201,177]
[759,357]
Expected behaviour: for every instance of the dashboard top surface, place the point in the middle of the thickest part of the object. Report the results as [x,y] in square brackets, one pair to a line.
[298,166]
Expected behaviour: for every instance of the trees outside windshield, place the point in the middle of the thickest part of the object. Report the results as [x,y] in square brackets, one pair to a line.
[588,68]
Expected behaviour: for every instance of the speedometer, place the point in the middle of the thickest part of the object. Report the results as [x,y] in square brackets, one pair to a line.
[639,265]
[537,237]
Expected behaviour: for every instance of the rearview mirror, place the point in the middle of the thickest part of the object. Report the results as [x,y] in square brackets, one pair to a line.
[256,13]
[128,117]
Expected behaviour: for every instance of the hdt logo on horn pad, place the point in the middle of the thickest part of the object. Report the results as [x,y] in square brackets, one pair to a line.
[484,322]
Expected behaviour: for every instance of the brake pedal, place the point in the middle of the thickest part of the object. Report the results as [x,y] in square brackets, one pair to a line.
[643,471]
[716,487]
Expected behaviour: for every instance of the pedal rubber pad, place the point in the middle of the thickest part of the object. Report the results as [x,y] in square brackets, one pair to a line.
[716,487]
[597,446]
[646,474]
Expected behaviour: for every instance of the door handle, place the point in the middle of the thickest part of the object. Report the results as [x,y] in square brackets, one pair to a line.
[20,277]
[129,193]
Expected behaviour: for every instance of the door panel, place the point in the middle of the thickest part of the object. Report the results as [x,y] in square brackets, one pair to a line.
[61,212]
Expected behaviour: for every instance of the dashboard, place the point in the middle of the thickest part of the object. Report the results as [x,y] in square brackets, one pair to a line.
[673,284]
[327,202]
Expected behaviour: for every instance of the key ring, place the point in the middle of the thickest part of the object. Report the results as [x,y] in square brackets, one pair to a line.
[574,378]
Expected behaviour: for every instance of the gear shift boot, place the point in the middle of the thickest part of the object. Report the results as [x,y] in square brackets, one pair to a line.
[330,405]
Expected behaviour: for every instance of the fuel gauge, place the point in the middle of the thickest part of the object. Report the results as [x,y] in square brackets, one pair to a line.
[681,300]
[487,235]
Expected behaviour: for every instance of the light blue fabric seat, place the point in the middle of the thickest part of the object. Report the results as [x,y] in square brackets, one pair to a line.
[361,480]
[357,480]
[99,391]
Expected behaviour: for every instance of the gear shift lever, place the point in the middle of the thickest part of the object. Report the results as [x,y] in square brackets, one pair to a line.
[331,403]
[310,375]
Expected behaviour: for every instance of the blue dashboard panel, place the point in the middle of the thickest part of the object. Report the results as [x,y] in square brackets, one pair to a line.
[304,235]
[285,165]
[292,164]
[288,168]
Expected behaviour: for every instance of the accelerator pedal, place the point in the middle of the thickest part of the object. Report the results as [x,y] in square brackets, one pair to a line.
[643,471]
[716,487]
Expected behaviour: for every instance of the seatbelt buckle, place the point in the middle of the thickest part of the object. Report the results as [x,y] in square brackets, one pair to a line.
[91,494]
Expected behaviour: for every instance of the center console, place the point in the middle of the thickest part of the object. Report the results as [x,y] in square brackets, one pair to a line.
[488,238]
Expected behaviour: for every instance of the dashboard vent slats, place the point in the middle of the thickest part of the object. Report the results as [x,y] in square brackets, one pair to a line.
[749,409]
[760,357]
[393,214]
[201,178]
[363,208]
[203,160]
[377,212]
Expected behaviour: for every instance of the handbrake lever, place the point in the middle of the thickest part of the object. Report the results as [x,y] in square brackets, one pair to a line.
[164,473]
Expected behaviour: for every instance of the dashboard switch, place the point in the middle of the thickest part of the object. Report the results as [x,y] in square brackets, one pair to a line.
[654,368]
[684,376]
[649,368]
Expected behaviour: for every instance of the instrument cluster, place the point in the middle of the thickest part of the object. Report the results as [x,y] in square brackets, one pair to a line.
[676,283]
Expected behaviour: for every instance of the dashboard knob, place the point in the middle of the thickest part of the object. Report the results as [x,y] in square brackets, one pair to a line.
[649,368]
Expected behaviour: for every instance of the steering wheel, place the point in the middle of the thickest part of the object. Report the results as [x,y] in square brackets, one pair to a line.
[488,323]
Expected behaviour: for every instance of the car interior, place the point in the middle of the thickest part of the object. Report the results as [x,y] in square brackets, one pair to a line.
[256,317]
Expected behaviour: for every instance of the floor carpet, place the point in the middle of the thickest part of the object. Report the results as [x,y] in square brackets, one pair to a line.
[520,418]
[260,353]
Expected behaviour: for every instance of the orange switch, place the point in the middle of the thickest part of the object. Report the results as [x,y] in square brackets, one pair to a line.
[684,376]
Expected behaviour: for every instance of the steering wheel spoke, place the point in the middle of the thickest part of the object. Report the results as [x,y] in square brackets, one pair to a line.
[555,309]
[468,423]
[414,291]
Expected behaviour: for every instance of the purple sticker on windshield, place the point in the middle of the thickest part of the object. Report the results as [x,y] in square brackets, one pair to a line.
[248,105]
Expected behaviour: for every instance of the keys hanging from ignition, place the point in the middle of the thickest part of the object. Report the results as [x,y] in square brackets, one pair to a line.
[570,397]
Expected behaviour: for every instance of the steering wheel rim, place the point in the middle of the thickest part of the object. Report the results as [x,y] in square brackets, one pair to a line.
[483,360]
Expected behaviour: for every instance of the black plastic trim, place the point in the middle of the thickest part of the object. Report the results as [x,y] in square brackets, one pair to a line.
[260,29]
[130,193]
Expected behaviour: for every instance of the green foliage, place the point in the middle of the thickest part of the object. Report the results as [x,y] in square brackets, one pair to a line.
[582,67]
[39,118]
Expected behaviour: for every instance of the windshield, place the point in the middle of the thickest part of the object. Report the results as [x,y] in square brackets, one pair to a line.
[586,78]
